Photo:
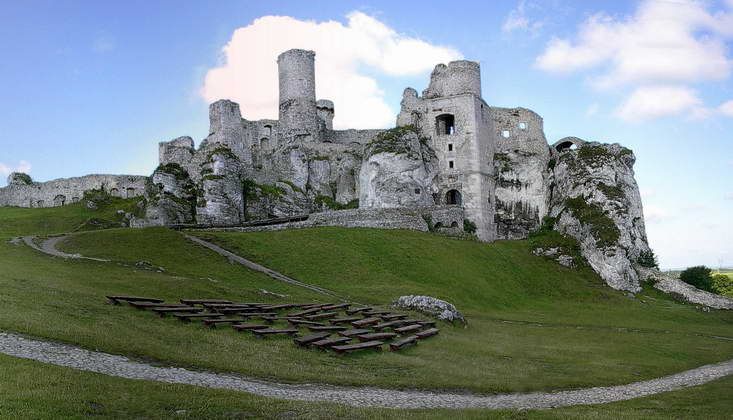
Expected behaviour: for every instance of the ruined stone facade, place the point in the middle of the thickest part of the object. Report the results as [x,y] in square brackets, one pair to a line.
[491,167]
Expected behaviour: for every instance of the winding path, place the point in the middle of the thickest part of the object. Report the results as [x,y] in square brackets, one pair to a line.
[119,366]
[48,246]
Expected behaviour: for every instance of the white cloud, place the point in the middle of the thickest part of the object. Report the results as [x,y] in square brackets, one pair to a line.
[663,41]
[248,74]
[22,166]
[518,19]
[659,51]
[591,110]
[726,108]
[656,101]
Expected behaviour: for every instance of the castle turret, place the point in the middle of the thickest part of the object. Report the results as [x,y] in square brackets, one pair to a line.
[226,128]
[296,70]
[324,108]
[457,78]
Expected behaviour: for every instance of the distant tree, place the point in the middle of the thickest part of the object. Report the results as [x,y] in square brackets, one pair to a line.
[698,276]
[723,285]
[647,259]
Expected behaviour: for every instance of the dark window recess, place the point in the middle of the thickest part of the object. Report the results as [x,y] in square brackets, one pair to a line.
[417,190]
[445,124]
[450,147]
[450,164]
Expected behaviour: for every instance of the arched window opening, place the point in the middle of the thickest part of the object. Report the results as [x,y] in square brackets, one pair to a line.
[264,143]
[565,146]
[505,134]
[114,192]
[130,192]
[522,125]
[453,197]
[438,225]
[268,130]
[59,200]
[445,124]
[454,225]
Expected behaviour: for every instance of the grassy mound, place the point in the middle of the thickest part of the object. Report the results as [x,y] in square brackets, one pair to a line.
[533,325]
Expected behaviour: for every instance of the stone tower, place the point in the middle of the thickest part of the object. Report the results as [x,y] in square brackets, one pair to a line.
[297,82]
[452,114]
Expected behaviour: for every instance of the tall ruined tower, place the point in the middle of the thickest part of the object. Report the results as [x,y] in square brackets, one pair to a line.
[297,81]
[458,122]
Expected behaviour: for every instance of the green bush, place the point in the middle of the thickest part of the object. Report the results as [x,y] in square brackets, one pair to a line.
[647,259]
[722,285]
[602,228]
[698,276]
[469,226]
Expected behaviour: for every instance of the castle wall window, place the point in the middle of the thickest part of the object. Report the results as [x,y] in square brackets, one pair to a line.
[450,164]
[114,192]
[417,190]
[445,124]
[130,192]
[505,134]
[522,125]
[268,130]
[453,197]
[450,147]
[264,143]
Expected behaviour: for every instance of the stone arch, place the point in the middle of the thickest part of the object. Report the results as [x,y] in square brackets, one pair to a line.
[445,124]
[59,200]
[130,192]
[568,143]
[74,199]
[453,197]
[454,224]
[267,129]
[438,225]
[114,192]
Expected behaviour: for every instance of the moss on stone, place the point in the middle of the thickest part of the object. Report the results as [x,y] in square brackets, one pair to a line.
[21,178]
[223,151]
[212,177]
[324,200]
[173,169]
[253,190]
[612,192]
[292,185]
[603,229]
[392,141]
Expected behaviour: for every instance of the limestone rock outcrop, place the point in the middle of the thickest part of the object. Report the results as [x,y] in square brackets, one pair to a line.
[684,291]
[595,199]
[434,307]
[398,170]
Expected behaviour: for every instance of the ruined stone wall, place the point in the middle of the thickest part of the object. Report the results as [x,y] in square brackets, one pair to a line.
[64,191]
[457,78]
[521,170]
[356,137]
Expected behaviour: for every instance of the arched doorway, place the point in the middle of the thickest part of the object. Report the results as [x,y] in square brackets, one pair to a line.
[453,197]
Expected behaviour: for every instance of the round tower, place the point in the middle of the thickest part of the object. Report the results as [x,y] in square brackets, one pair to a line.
[457,78]
[296,71]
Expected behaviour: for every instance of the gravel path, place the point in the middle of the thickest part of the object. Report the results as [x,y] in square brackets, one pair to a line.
[119,366]
[261,268]
[48,246]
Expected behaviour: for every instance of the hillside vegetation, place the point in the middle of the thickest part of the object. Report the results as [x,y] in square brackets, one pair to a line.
[533,325]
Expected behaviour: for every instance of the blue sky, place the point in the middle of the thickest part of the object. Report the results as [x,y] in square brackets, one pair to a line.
[92,87]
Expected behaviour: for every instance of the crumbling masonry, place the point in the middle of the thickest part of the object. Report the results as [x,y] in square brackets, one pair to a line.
[449,151]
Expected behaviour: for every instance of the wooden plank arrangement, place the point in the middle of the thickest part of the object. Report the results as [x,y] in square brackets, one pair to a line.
[340,327]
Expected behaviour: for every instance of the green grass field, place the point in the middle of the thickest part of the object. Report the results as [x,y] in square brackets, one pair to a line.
[533,325]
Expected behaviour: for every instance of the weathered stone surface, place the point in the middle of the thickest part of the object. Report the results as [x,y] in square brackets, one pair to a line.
[596,200]
[398,170]
[683,290]
[437,308]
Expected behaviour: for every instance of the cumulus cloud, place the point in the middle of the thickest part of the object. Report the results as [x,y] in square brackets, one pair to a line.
[248,73]
[649,102]
[22,166]
[518,19]
[726,108]
[673,43]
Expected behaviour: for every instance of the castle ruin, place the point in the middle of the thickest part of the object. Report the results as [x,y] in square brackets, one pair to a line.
[452,162]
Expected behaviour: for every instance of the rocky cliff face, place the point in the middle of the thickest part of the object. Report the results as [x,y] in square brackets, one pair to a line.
[595,199]
[398,170]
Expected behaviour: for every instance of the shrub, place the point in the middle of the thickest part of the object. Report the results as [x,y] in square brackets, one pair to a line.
[698,276]
[647,259]
[469,226]
[722,285]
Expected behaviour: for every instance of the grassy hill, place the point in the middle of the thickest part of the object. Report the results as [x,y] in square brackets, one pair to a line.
[533,325]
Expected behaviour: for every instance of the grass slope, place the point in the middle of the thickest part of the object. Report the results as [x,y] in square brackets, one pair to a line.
[533,324]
